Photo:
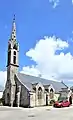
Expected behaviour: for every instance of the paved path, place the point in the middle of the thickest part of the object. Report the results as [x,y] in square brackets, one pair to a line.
[39,113]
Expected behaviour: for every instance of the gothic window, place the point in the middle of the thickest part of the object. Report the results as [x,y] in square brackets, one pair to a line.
[9,57]
[51,90]
[51,93]
[14,52]
[39,93]
[14,59]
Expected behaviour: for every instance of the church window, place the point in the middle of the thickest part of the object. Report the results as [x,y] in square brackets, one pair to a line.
[9,57]
[51,93]
[39,93]
[14,52]
[14,59]
[51,90]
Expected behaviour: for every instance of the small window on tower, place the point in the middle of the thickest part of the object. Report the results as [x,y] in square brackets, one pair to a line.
[9,57]
[14,52]
[14,59]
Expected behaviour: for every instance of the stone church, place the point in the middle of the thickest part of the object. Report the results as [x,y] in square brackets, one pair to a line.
[25,90]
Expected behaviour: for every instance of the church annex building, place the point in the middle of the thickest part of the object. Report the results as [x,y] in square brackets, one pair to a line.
[25,90]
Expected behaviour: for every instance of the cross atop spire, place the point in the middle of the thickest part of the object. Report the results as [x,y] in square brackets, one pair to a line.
[13,33]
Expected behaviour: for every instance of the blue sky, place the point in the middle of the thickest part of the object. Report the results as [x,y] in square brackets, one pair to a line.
[34,20]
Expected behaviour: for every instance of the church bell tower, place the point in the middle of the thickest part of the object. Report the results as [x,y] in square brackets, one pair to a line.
[12,62]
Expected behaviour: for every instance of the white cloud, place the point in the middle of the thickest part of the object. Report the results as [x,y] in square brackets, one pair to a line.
[72,1]
[3,78]
[30,70]
[48,64]
[55,3]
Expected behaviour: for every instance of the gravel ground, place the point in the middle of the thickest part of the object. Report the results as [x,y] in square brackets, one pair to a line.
[38,113]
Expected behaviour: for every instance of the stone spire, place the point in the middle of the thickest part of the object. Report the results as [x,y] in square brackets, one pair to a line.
[13,33]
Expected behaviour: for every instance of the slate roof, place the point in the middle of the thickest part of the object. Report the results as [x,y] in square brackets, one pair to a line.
[29,80]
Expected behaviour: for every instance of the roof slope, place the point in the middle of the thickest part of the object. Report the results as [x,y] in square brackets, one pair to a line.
[29,80]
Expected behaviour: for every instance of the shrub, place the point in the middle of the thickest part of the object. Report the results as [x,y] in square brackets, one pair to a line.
[62,98]
[52,102]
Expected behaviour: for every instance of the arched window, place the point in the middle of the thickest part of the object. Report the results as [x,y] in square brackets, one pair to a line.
[9,57]
[14,52]
[51,90]
[51,93]
[14,59]
[39,93]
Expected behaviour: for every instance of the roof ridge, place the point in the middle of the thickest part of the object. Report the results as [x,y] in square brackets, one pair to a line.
[39,77]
